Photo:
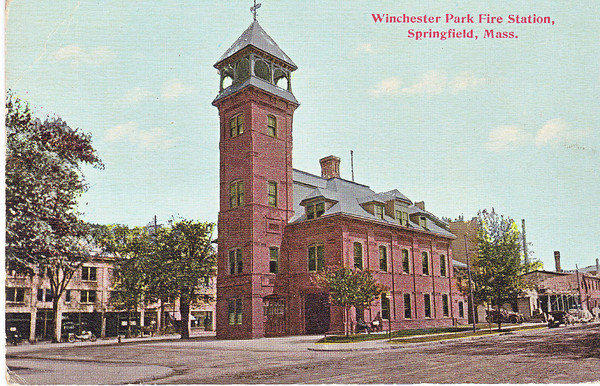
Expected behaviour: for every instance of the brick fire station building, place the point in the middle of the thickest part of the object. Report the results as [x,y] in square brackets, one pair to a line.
[278,225]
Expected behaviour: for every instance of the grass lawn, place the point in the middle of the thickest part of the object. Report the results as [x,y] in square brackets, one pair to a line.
[436,337]
[435,333]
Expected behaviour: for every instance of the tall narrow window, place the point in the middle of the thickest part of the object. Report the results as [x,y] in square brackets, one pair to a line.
[385,306]
[315,258]
[236,194]
[445,306]
[235,261]
[50,295]
[273,259]
[427,304]
[405,261]
[379,211]
[67,296]
[272,193]
[234,310]
[383,265]
[407,307]
[442,265]
[423,221]
[358,255]
[425,263]
[236,125]
[272,126]
[461,310]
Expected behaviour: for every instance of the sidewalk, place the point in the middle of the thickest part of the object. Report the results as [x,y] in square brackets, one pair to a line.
[26,346]
[385,344]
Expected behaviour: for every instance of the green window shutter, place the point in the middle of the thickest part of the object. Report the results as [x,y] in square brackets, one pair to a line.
[239,261]
[232,262]
[320,258]
[312,259]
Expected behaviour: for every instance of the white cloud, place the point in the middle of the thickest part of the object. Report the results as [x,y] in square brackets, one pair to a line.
[153,139]
[135,95]
[77,55]
[389,86]
[555,132]
[365,48]
[507,137]
[465,81]
[174,88]
[69,52]
[558,131]
[432,82]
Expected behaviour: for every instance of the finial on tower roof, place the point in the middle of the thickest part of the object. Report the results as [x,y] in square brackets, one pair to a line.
[254,8]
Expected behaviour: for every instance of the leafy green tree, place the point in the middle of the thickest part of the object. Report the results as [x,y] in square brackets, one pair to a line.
[43,182]
[132,276]
[186,264]
[350,288]
[171,262]
[498,266]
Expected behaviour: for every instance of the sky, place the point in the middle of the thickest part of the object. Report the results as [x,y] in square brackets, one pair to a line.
[461,124]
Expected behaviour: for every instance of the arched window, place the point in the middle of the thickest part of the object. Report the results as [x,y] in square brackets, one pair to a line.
[262,70]
[242,70]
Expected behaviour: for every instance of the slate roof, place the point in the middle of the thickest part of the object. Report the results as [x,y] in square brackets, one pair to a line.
[256,36]
[348,197]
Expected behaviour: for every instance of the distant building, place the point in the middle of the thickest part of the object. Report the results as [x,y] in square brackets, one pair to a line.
[560,290]
[279,226]
[87,301]
[550,290]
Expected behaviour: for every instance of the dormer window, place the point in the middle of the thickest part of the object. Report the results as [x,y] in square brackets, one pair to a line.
[236,125]
[379,211]
[423,221]
[315,210]
[402,217]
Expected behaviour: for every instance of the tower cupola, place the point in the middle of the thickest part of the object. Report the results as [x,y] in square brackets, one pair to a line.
[255,60]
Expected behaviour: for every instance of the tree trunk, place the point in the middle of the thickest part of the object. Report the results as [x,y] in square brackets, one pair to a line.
[57,322]
[346,321]
[128,323]
[184,310]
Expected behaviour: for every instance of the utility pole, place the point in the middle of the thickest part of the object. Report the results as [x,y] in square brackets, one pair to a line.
[472,305]
[352,163]
[525,256]
[579,287]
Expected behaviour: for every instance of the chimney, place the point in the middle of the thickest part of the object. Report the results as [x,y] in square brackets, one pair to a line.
[420,205]
[330,167]
[557,261]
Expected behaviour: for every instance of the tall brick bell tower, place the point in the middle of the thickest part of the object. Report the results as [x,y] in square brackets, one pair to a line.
[256,107]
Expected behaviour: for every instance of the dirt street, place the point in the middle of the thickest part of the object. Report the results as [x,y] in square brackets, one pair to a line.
[535,356]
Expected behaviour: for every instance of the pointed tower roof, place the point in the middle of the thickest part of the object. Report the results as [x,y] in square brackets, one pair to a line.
[256,36]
